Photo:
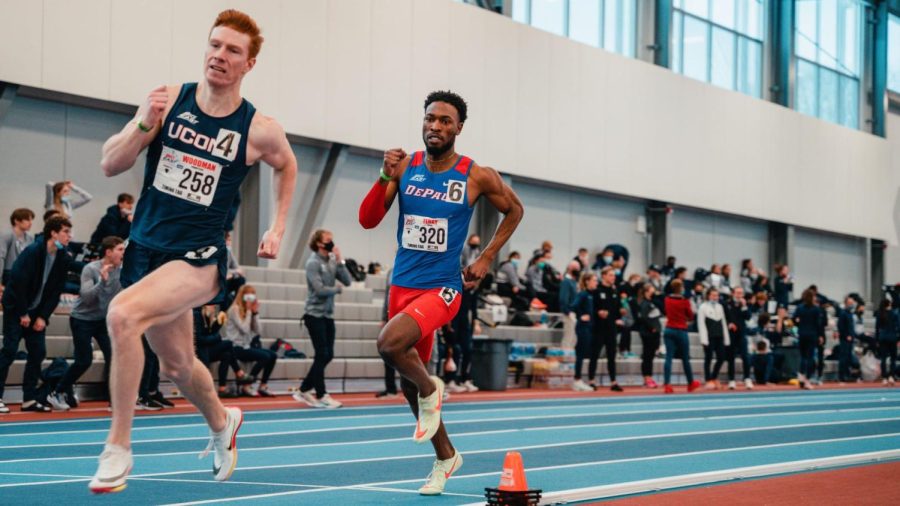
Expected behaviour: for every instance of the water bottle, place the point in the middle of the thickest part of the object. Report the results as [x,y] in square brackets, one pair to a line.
[544,318]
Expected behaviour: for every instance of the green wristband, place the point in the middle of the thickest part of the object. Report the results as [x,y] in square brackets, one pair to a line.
[384,177]
[142,127]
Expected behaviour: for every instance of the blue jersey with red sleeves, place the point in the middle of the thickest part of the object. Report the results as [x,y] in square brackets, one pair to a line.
[433,225]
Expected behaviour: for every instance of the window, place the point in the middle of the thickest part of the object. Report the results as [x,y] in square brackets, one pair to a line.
[607,24]
[828,45]
[719,42]
[893,81]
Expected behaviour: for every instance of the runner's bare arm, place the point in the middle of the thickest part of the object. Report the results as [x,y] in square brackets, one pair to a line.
[122,149]
[505,200]
[381,196]
[269,138]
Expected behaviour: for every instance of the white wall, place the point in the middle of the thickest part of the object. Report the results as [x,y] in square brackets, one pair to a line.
[700,239]
[572,220]
[892,254]
[836,264]
[541,106]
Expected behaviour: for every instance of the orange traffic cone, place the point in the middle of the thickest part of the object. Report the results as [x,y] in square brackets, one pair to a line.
[513,477]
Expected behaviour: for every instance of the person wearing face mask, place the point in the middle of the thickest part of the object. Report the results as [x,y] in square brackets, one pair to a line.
[887,332]
[509,284]
[714,335]
[846,333]
[567,291]
[582,259]
[324,269]
[65,197]
[13,242]
[243,329]
[117,220]
[30,297]
[458,380]
[607,306]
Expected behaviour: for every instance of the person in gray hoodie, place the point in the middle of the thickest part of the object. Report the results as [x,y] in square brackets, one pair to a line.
[99,284]
[323,269]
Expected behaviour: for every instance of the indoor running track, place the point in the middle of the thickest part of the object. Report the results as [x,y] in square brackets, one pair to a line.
[573,448]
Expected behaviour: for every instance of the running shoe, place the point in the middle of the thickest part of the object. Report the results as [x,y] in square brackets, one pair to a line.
[616,388]
[161,400]
[224,444]
[429,413]
[732,385]
[328,402]
[693,386]
[115,464]
[651,384]
[264,392]
[669,389]
[748,384]
[35,406]
[3,408]
[456,388]
[148,404]
[470,387]
[307,397]
[581,386]
[440,473]
[58,401]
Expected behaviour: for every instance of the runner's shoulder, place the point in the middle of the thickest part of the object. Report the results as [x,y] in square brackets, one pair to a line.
[265,132]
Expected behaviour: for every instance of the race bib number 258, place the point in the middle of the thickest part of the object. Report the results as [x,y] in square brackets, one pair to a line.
[186,176]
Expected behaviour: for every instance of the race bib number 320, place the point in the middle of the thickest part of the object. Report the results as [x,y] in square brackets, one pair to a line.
[424,234]
[187,176]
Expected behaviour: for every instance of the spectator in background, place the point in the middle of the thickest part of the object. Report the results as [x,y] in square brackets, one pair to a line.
[749,275]
[546,247]
[737,313]
[543,281]
[678,314]
[714,277]
[713,328]
[649,325]
[65,197]
[607,308]
[628,293]
[809,319]
[680,274]
[583,307]
[33,292]
[243,329]
[99,284]
[509,284]
[567,291]
[149,396]
[210,346]
[762,284]
[14,241]
[887,333]
[235,278]
[324,269]
[390,374]
[668,270]
[846,334]
[582,259]
[620,258]
[725,288]
[464,321]
[117,220]
[784,284]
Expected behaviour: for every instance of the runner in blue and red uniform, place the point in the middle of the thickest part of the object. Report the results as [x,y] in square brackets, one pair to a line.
[438,189]
[201,139]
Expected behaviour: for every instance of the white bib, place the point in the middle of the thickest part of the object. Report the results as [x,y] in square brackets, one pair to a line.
[424,234]
[186,176]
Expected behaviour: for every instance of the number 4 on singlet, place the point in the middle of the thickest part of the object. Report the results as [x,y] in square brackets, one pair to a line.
[226,145]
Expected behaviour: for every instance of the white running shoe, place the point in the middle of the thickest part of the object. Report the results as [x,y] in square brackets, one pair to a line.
[581,386]
[429,413]
[58,401]
[329,402]
[884,381]
[3,408]
[732,385]
[470,386]
[225,445]
[748,384]
[456,388]
[440,473]
[891,380]
[307,397]
[115,464]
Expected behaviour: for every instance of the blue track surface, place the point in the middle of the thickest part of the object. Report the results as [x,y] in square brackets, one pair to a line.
[366,456]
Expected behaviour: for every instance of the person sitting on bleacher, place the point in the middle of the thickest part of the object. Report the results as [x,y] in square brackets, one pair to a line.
[99,284]
[323,269]
[117,220]
[210,347]
[243,329]
[509,284]
[33,292]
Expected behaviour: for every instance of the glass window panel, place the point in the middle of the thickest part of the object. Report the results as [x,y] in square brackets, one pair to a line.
[749,67]
[828,94]
[675,50]
[629,24]
[722,64]
[849,102]
[750,17]
[695,56]
[584,21]
[850,12]
[697,7]
[806,96]
[828,26]
[611,26]
[520,10]
[806,33]
[894,54]
[723,13]
[548,15]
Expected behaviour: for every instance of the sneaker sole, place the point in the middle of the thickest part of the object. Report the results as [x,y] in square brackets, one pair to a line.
[234,453]
[112,490]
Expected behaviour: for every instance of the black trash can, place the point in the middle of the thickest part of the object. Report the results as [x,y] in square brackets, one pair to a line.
[490,358]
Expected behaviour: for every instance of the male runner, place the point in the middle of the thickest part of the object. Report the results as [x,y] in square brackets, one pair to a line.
[203,138]
[438,190]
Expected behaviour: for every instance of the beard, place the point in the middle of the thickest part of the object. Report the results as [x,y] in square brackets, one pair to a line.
[437,151]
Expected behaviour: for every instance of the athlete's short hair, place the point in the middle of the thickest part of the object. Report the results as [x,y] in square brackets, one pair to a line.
[55,224]
[125,198]
[240,22]
[20,214]
[109,243]
[450,98]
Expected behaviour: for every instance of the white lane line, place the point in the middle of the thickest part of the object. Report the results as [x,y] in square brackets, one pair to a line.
[548,468]
[403,424]
[480,433]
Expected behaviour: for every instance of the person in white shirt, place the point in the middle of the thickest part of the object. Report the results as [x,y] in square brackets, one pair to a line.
[713,328]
